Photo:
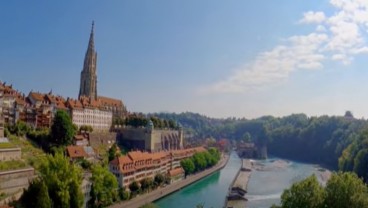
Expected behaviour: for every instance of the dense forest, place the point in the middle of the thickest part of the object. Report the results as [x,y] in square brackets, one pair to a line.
[322,139]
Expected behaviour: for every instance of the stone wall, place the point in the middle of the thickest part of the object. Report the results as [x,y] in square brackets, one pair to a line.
[165,139]
[8,154]
[97,139]
[150,140]
[135,138]
[13,182]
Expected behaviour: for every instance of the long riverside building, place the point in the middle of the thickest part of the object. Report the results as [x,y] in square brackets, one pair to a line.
[137,165]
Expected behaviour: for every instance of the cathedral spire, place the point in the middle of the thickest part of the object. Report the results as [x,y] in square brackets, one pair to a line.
[91,43]
[88,84]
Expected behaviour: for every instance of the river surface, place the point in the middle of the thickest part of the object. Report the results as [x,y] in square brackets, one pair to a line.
[268,180]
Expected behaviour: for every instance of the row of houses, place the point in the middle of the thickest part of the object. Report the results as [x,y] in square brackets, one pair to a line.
[137,165]
[38,109]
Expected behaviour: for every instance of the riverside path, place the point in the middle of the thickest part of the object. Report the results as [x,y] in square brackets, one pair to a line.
[143,199]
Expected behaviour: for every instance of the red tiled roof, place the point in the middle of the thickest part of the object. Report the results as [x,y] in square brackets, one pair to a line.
[74,103]
[76,152]
[176,171]
[37,96]
[106,101]
[138,155]
[20,100]
[158,155]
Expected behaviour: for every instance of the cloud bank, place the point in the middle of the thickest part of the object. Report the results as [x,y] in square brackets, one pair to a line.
[337,37]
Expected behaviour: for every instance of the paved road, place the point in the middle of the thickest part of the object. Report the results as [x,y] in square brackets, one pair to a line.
[163,191]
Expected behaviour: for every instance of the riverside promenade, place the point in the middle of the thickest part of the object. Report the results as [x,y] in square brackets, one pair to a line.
[143,199]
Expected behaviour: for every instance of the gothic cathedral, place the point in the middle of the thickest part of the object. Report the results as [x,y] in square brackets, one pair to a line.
[88,81]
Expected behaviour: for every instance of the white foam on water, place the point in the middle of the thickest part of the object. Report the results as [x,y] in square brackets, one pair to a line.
[262,197]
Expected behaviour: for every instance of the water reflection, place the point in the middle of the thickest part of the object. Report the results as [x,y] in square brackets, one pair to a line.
[211,190]
[265,187]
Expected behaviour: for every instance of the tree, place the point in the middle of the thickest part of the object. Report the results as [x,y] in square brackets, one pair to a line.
[348,114]
[36,195]
[146,184]
[346,190]
[247,137]
[113,152]
[20,128]
[188,166]
[86,128]
[306,193]
[361,164]
[63,180]
[199,161]
[104,190]
[124,194]
[343,190]
[134,188]
[62,129]
[210,160]
[215,153]
[159,179]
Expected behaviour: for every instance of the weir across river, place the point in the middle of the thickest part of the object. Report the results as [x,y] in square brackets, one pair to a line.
[236,196]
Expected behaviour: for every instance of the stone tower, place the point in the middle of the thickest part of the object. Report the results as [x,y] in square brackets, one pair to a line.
[88,82]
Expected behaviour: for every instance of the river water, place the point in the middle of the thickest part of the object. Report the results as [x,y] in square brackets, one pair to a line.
[266,184]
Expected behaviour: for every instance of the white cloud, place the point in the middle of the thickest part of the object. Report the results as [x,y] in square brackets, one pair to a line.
[337,37]
[321,28]
[313,17]
[343,58]
[299,52]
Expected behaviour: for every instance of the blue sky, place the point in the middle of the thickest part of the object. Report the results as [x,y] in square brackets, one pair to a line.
[219,58]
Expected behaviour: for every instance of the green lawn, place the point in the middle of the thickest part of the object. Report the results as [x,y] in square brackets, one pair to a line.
[30,152]
[12,165]
[6,145]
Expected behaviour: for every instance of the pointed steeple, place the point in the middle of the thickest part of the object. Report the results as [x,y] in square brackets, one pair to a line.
[91,43]
[88,85]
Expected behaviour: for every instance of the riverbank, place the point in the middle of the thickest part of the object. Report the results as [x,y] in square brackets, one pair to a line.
[164,191]
[238,189]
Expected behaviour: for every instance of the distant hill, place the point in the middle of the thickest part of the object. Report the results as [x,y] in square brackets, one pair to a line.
[313,139]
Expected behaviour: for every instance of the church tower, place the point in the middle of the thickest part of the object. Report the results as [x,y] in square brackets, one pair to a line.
[88,81]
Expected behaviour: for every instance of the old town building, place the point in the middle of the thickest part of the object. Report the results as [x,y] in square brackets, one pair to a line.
[38,109]
[137,165]
[86,111]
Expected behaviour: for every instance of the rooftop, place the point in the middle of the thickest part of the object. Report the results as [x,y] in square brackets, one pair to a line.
[76,152]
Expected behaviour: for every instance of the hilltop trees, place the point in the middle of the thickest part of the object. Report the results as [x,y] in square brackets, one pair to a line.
[306,193]
[113,152]
[346,190]
[343,190]
[63,181]
[104,189]
[326,136]
[20,128]
[58,185]
[355,156]
[86,128]
[62,129]
[36,195]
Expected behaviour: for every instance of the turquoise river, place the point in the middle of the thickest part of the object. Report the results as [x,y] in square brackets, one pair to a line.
[265,186]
